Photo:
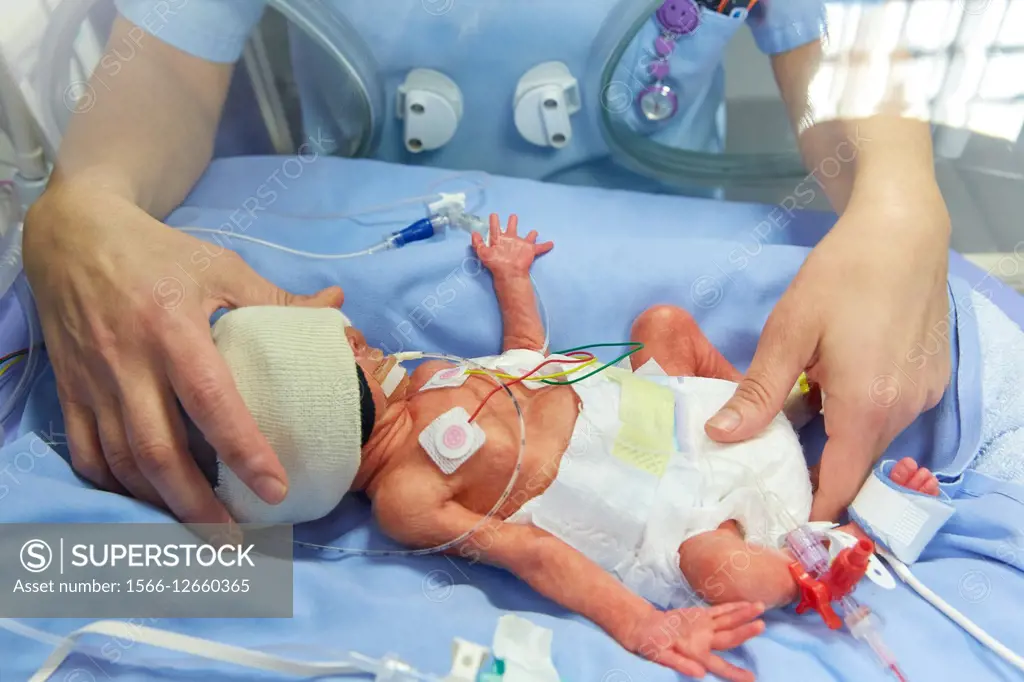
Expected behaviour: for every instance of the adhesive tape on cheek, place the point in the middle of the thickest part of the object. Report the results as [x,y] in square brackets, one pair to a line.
[392,380]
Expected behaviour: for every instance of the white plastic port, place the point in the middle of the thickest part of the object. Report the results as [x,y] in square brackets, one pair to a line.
[546,96]
[430,104]
[467,660]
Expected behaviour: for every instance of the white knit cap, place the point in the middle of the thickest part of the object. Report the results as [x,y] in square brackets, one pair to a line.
[296,373]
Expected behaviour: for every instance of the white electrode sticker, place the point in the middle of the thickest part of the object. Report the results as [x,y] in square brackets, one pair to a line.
[447,378]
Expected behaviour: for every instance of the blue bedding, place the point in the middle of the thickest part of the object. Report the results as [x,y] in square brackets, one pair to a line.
[615,254]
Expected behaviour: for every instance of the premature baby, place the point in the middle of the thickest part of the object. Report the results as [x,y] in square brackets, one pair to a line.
[622,505]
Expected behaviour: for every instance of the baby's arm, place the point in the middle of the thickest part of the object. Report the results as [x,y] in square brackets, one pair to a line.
[509,258]
[681,639]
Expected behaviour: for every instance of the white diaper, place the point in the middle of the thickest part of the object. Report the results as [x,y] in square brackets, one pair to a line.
[629,508]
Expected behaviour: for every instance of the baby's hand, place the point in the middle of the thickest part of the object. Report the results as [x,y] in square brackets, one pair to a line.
[509,254]
[683,639]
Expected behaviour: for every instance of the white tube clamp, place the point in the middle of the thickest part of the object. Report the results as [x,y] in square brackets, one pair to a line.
[900,520]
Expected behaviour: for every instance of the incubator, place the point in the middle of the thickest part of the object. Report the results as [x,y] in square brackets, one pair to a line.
[823,585]
[397,86]
[561,115]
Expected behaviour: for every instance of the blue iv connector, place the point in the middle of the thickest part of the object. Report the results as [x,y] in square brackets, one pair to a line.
[423,228]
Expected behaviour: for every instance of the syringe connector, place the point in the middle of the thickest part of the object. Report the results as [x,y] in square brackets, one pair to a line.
[808,549]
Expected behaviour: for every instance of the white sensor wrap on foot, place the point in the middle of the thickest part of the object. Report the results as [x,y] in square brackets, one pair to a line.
[900,520]
[451,439]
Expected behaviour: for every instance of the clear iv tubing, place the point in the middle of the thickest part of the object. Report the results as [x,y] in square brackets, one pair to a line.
[385,245]
[28,309]
[416,355]
[355,664]
[376,248]
[480,186]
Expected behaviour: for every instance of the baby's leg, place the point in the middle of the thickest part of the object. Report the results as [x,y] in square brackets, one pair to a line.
[672,337]
[721,566]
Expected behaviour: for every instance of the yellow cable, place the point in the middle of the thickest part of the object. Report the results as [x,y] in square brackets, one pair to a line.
[567,372]
[13,361]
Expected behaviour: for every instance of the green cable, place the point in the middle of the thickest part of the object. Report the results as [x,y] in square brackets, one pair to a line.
[639,347]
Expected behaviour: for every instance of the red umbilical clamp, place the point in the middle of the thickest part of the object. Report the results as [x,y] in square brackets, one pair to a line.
[846,570]
[814,594]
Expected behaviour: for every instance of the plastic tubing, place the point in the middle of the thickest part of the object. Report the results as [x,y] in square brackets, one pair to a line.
[960,619]
[35,337]
[56,53]
[376,248]
[28,152]
[281,658]
[416,355]
[479,187]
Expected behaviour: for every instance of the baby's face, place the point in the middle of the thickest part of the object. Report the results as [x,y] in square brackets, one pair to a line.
[376,366]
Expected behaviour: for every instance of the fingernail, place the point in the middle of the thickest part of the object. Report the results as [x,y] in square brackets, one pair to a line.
[272,490]
[726,420]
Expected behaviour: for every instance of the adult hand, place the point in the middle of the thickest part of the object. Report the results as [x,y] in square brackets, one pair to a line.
[867,317]
[125,304]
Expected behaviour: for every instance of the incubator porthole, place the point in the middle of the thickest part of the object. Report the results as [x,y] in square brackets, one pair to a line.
[416,108]
[415,144]
[550,104]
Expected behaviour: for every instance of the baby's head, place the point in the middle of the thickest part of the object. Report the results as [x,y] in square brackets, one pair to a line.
[379,374]
[318,393]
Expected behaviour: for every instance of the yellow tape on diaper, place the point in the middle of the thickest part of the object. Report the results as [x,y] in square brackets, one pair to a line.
[647,411]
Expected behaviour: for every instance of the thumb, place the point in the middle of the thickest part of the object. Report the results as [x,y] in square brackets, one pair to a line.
[761,394]
[242,287]
[331,297]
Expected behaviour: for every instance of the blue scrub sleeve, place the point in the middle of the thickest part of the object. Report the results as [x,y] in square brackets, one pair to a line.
[784,25]
[214,30]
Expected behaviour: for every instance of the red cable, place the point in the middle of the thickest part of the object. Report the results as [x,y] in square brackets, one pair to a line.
[587,357]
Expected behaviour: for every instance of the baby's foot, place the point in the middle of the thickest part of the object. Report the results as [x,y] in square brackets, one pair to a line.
[911,475]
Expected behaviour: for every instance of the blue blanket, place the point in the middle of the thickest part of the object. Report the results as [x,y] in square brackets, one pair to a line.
[616,253]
